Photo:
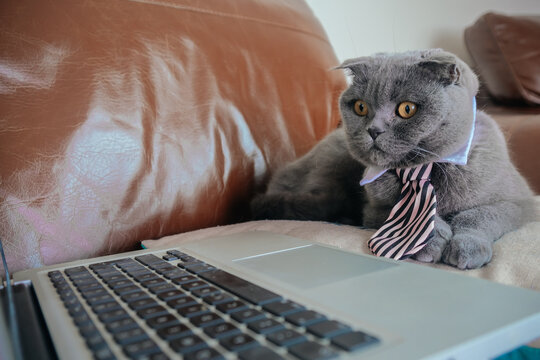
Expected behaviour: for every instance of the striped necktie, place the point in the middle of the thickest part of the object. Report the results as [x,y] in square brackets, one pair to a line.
[412,220]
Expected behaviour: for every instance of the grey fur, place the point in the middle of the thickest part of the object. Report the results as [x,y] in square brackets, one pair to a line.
[476,203]
[321,185]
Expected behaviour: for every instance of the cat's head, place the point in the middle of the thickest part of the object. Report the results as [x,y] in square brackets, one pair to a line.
[407,109]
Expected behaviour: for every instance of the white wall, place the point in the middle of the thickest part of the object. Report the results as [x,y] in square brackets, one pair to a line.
[361,27]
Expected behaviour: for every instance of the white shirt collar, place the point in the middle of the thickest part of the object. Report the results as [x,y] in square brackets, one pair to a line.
[459,157]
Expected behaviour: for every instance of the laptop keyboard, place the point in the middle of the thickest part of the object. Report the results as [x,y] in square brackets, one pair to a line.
[153,307]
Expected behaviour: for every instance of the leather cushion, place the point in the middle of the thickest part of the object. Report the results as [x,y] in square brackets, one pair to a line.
[506,52]
[129,120]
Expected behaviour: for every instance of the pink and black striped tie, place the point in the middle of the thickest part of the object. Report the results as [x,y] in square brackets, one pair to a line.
[412,220]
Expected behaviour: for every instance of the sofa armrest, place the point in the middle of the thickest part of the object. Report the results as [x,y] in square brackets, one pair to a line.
[127,120]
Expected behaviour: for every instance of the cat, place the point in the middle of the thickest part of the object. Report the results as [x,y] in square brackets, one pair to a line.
[403,110]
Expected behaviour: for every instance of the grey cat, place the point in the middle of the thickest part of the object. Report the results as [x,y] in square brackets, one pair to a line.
[404,110]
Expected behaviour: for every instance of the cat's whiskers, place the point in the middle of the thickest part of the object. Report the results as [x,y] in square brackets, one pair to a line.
[418,148]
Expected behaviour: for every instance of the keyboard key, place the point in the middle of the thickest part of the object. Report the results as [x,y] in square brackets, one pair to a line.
[173,331]
[88,329]
[95,341]
[62,287]
[305,318]
[205,291]
[173,274]
[114,315]
[238,286]
[329,328]
[104,307]
[153,311]
[217,298]
[55,275]
[169,257]
[171,294]
[91,286]
[247,315]
[99,299]
[135,268]
[142,304]
[193,310]
[142,278]
[163,268]
[205,320]
[265,326]
[158,356]
[120,283]
[87,284]
[130,336]
[283,308]
[158,322]
[82,319]
[111,278]
[91,293]
[181,302]
[187,343]
[311,350]
[175,253]
[148,259]
[221,330]
[286,337]
[106,264]
[161,288]
[133,296]
[259,353]
[82,278]
[186,264]
[353,340]
[204,354]
[75,270]
[231,306]
[76,310]
[199,268]
[103,353]
[106,273]
[121,325]
[71,301]
[192,285]
[153,282]
[141,348]
[160,265]
[238,342]
[184,279]
[126,290]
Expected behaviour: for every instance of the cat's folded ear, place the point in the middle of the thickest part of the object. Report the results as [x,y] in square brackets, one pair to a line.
[445,71]
[356,67]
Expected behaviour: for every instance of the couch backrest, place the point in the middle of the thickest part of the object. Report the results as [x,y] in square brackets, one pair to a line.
[127,120]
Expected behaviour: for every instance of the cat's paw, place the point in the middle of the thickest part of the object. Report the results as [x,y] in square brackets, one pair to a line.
[468,251]
[433,251]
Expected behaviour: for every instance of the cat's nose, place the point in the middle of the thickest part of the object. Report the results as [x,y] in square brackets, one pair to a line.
[374,132]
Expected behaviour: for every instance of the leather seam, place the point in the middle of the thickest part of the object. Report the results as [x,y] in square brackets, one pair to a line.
[509,65]
[229,15]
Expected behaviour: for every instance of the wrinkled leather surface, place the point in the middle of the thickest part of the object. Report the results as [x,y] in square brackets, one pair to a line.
[522,132]
[506,50]
[127,120]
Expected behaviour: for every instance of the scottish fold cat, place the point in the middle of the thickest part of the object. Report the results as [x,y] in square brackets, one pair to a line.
[403,110]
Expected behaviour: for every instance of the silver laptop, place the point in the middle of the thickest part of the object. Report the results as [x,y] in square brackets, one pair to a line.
[263,296]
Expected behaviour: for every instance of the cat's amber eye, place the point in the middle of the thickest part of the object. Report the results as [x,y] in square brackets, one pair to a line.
[406,109]
[360,108]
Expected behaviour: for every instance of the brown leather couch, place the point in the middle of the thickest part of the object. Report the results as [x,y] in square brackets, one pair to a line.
[129,120]
[506,52]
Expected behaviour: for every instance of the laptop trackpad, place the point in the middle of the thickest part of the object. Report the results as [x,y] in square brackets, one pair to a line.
[313,265]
